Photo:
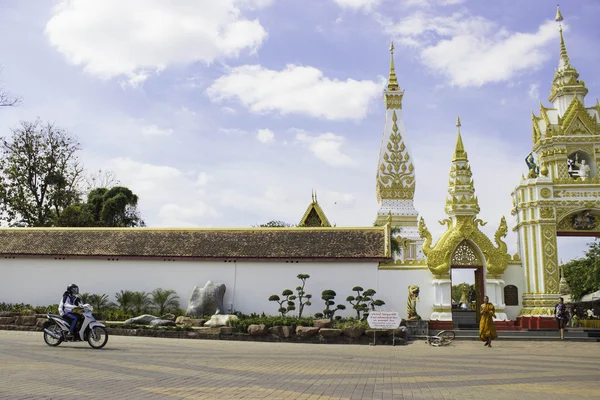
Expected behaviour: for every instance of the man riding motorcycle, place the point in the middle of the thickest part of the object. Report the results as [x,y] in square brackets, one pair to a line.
[69,302]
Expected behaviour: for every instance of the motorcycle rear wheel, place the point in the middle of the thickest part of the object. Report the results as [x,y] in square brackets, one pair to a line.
[101,337]
[49,339]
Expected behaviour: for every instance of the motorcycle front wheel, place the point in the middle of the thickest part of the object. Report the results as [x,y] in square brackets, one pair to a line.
[49,339]
[101,337]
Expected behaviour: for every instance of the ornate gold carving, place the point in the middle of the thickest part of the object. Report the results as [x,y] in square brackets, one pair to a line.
[550,259]
[396,178]
[546,193]
[393,101]
[546,212]
[439,257]
[535,258]
[465,255]
[568,193]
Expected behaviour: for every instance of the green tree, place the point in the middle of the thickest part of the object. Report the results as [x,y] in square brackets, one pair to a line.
[8,100]
[40,173]
[583,274]
[288,300]
[164,300]
[99,302]
[124,300]
[301,294]
[274,224]
[328,296]
[114,207]
[140,301]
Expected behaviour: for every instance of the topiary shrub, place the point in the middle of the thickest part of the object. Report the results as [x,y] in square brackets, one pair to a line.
[328,296]
[302,294]
[288,300]
[363,302]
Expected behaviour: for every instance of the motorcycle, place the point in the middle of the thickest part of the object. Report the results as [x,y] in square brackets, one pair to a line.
[57,330]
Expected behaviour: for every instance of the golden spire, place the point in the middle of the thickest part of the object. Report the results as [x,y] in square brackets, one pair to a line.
[461,199]
[459,150]
[566,78]
[392,80]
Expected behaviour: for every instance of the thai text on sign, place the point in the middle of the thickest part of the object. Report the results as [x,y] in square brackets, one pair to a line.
[383,319]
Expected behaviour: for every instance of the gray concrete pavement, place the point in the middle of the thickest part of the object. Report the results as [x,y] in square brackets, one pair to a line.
[149,368]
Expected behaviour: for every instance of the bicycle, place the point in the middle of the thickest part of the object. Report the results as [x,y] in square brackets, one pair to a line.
[443,338]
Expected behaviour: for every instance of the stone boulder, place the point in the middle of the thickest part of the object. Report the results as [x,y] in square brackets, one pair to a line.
[7,320]
[322,323]
[26,320]
[207,300]
[162,322]
[306,331]
[197,322]
[377,332]
[168,317]
[288,331]
[257,330]
[400,332]
[141,320]
[276,330]
[183,320]
[217,321]
[353,332]
[329,332]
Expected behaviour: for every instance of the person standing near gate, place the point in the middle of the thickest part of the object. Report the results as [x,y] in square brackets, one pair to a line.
[487,329]
[560,313]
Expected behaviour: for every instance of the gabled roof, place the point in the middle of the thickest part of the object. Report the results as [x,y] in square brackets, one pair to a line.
[314,216]
[358,244]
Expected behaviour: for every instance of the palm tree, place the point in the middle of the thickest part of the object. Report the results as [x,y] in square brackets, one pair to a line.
[139,302]
[124,298]
[164,300]
[85,298]
[99,302]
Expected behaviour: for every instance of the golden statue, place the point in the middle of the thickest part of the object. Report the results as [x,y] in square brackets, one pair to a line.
[464,298]
[411,304]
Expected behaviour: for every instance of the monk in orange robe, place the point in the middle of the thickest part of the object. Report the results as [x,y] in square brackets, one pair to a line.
[487,329]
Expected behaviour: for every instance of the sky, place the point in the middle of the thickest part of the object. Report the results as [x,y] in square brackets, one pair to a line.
[229,113]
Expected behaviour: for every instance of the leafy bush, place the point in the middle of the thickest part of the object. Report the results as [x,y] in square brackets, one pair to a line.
[244,321]
[344,323]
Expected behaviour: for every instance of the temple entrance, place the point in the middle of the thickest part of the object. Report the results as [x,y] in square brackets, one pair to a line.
[467,295]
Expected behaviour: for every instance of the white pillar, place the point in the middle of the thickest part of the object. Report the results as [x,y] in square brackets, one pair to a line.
[494,289]
[442,300]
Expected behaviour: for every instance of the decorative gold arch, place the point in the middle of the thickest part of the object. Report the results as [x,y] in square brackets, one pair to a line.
[465,254]
[465,229]
[580,221]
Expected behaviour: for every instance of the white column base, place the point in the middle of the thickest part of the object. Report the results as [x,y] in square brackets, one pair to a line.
[442,300]
[441,316]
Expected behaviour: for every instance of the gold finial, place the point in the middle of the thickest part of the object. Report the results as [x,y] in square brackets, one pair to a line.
[392,80]
[459,150]
[315,199]
[559,16]
[389,218]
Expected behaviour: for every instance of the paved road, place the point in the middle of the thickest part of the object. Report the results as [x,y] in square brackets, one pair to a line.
[149,368]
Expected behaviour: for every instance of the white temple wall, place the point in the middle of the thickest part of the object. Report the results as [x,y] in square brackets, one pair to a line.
[41,281]
[393,289]
[514,275]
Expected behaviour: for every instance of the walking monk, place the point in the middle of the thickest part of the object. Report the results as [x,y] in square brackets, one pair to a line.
[487,329]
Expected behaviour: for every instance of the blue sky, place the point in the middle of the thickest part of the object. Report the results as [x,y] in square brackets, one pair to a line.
[228,113]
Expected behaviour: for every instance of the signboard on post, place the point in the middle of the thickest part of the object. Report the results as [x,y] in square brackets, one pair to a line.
[384,319]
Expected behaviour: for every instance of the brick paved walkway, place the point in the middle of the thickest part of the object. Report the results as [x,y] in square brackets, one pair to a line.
[148,368]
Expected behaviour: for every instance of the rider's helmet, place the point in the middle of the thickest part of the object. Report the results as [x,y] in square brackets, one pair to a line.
[73,289]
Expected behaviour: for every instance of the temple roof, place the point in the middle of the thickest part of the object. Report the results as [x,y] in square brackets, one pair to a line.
[314,215]
[368,243]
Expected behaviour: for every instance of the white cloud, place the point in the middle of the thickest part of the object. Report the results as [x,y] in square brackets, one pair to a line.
[153,130]
[203,179]
[295,90]
[471,50]
[327,147]
[534,91]
[357,4]
[112,38]
[265,135]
